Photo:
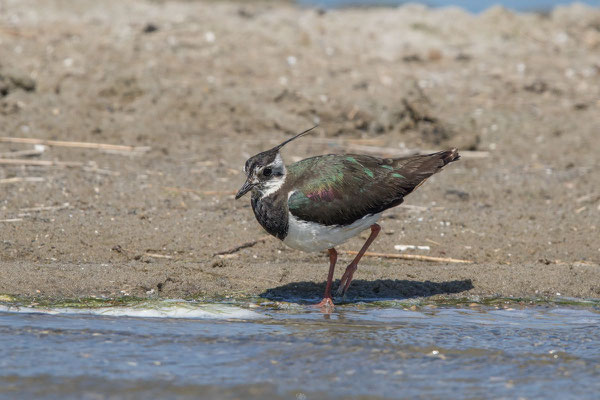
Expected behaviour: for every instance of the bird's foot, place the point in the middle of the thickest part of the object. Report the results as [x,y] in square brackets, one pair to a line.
[345,281]
[326,303]
[343,288]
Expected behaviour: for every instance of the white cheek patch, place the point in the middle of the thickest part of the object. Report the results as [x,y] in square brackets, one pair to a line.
[277,179]
[272,185]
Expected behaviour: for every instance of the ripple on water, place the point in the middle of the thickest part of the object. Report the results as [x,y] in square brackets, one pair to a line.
[190,349]
[162,309]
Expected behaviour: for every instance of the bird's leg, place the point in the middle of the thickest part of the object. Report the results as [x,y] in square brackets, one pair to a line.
[347,277]
[327,300]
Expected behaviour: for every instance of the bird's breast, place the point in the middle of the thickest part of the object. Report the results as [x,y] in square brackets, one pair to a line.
[272,213]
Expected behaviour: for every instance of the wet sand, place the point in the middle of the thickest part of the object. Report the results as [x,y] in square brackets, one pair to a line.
[205,85]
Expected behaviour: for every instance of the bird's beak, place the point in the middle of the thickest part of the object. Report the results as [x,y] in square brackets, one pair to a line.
[244,189]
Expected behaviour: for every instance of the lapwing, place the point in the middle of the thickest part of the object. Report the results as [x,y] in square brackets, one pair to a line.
[320,202]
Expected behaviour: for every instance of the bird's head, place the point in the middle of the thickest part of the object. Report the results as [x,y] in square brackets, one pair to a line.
[265,171]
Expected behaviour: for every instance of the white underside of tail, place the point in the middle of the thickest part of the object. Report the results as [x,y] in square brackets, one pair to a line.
[311,236]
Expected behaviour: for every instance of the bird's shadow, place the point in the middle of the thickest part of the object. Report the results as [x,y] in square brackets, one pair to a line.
[366,291]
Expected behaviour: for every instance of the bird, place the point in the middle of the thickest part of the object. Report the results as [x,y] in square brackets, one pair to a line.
[320,202]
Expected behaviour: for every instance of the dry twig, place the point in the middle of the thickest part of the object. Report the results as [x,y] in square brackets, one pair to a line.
[201,192]
[154,255]
[242,246]
[14,32]
[352,141]
[18,179]
[394,152]
[54,163]
[411,257]
[101,171]
[83,145]
[370,146]
[413,207]
[21,153]
[46,208]
[40,163]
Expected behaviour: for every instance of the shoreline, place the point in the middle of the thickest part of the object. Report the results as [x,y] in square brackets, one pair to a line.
[254,302]
[437,282]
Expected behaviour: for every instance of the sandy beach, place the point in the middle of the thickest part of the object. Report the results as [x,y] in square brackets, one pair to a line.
[190,90]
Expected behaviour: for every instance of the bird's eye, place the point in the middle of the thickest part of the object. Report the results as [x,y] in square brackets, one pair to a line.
[267,171]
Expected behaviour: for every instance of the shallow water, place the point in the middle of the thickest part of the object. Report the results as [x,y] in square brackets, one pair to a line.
[296,352]
[469,5]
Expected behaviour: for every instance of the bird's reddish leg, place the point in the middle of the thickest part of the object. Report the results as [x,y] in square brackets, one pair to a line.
[327,300]
[347,277]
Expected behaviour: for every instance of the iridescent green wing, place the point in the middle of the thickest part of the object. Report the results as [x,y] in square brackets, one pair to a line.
[340,189]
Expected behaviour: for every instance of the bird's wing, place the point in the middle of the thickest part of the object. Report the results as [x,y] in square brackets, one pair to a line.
[340,189]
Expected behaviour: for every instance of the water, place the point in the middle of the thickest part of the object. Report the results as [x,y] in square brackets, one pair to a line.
[296,352]
[470,5]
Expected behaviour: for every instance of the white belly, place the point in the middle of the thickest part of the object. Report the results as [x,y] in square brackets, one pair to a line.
[310,236]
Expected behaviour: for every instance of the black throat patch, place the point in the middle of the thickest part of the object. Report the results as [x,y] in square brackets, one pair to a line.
[271,212]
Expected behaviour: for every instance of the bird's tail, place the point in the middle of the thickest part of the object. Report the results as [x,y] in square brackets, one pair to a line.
[449,155]
[427,164]
[416,169]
